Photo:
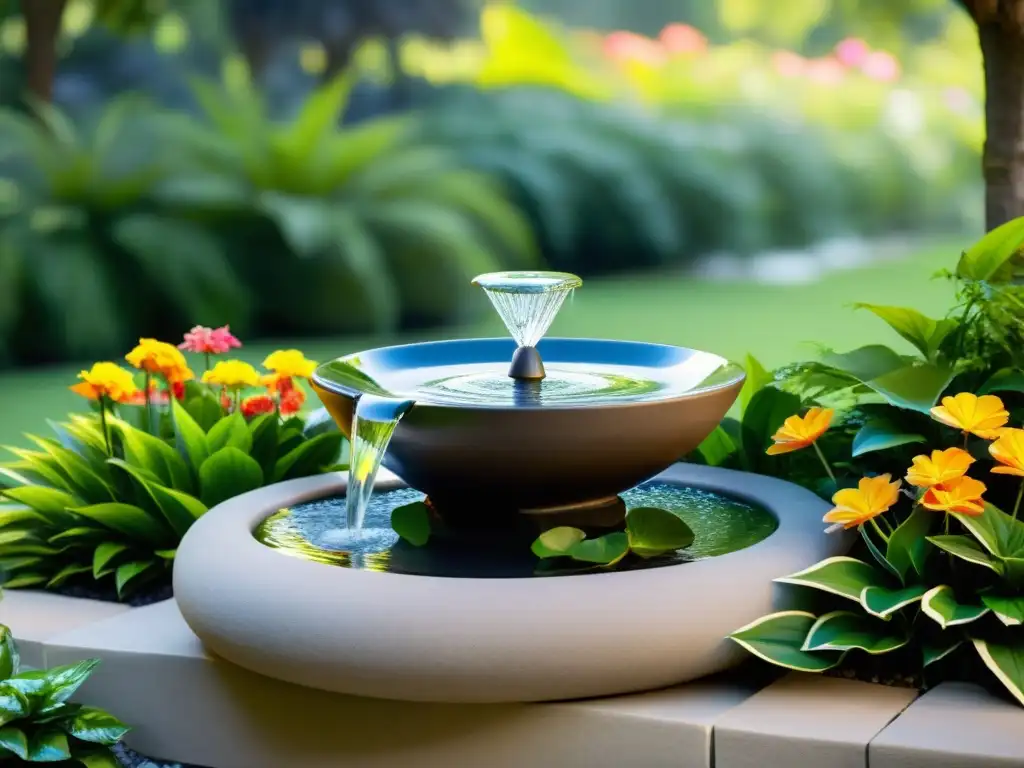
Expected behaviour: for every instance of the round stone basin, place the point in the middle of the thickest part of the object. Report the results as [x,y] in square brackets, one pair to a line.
[451,638]
[721,525]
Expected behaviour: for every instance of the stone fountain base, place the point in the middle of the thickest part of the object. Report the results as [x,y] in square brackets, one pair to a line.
[419,638]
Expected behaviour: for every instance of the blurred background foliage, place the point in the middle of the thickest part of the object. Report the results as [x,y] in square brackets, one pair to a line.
[308,167]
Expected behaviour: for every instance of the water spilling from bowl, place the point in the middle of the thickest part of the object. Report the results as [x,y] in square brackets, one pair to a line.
[527,302]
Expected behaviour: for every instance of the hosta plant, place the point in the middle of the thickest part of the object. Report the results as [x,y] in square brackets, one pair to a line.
[38,723]
[110,494]
[918,454]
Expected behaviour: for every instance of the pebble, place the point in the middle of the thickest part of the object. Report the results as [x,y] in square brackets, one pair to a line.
[129,758]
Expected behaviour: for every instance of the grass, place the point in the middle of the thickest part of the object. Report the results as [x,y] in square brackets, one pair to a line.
[778,324]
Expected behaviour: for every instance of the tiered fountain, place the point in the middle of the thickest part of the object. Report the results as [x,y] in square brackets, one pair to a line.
[503,440]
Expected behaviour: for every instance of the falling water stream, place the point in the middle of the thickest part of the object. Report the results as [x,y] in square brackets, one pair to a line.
[527,303]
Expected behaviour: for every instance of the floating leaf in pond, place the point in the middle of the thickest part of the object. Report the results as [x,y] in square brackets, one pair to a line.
[412,523]
[557,542]
[604,550]
[654,531]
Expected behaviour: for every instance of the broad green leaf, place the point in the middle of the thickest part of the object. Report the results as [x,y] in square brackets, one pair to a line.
[845,631]
[231,432]
[95,726]
[900,381]
[62,682]
[130,521]
[779,639]
[921,331]
[79,536]
[412,523]
[1013,570]
[14,741]
[604,550]
[1009,610]
[9,660]
[843,576]
[48,746]
[876,553]
[757,379]
[1005,380]
[652,531]
[86,480]
[106,556]
[881,434]
[309,458]
[166,554]
[67,572]
[997,531]
[908,548]
[265,431]
[557,542]
[206,410]
[12,515]
[41,467]
[991,258]
[933,652]
[14,704]
[883,603]
[763,416]
[155,456]
[967,549]
[48,501]
[228,473]
[1006,662]
[940,605]
[190,438]
[717,447]
[25,580]
[96,758]
[178,509]
[318,117]
[133,572]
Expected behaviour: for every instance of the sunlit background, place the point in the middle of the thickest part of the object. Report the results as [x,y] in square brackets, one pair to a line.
[730,175]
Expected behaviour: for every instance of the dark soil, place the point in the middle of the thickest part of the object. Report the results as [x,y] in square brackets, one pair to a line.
[893,680]
[132,759]
[105,591]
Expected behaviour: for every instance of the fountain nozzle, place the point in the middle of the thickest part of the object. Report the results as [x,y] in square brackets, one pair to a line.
[527,303]
[527,365]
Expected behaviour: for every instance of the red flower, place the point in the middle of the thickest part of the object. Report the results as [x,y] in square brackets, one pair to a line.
[257,405]
[209,341]
[291,401]
[178,387]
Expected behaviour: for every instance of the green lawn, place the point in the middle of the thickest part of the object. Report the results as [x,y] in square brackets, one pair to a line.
[778,324]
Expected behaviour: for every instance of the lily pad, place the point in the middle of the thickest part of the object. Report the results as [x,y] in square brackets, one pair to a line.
[654,531]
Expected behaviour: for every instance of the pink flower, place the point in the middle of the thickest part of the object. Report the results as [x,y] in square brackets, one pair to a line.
[629,46]
[827,71]
[789,64]
[682,38]
[881,66]
[209,341]
[852,52]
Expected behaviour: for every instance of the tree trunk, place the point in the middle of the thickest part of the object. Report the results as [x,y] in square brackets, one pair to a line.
[1002,46]
[42,25]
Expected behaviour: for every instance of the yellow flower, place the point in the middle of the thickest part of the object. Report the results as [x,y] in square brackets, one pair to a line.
[233,374]
[982,416]
[157,357]
[1008,450]
[801,431]
[963,495]
[288,363]
[871,497]
[939,468]
[105,380]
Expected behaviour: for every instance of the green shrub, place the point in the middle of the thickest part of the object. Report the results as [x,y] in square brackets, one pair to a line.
[369,218]
[38,723]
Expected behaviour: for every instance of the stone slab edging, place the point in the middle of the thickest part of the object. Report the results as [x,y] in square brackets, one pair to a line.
[486,640]
[808,720]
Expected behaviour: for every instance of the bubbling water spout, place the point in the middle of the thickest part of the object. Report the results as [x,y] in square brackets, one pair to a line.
[375,421]
[527,303]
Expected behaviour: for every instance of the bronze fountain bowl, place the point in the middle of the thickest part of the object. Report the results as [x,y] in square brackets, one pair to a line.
[609,415]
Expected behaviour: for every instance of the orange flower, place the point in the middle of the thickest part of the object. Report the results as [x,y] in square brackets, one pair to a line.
[154,356]
[1008,450]
[801,431]
[962,495]
[939,468]
[257,405]
[277,384]
[291,401]
[982,416]
[105,380]
[871,497]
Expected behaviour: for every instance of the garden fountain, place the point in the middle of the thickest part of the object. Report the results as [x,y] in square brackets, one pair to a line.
[503,439]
